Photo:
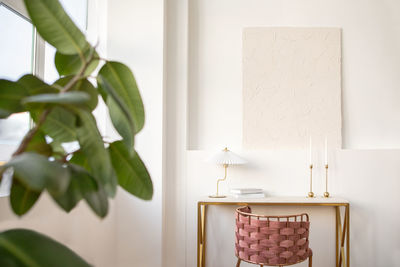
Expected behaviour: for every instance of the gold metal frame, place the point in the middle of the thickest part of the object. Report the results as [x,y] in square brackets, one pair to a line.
[342,233]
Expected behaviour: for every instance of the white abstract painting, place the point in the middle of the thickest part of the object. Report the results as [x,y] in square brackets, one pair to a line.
[291,87]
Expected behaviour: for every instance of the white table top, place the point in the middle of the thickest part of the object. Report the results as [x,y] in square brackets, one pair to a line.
[266,200]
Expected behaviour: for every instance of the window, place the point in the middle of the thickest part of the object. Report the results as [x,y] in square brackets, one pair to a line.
[23,51]
[17,58]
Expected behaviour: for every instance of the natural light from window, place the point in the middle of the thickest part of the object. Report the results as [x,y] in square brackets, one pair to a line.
[16,59]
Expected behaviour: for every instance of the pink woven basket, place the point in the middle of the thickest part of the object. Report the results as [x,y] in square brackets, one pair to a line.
[272,240]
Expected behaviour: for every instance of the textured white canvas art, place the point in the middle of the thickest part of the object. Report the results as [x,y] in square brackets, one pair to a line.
[291,87]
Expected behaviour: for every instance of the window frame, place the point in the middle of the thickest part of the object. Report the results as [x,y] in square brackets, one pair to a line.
[18,7]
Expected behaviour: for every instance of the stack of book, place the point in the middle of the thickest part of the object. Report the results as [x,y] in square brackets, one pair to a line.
[247,193]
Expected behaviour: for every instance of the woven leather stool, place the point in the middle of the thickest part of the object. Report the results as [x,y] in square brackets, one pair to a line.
[271,240]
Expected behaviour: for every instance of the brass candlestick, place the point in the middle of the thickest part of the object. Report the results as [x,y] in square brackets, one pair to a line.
[311,193]
[326,193]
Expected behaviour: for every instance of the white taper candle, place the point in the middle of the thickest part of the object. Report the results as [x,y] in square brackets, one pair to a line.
[326,150]
[310,155]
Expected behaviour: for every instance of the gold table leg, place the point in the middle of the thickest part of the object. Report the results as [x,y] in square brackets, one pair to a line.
[198,233]
[201,234]
[342,235]
[337,209]
[348,236]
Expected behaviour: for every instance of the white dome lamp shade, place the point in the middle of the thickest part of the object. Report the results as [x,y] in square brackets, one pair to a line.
[225,158]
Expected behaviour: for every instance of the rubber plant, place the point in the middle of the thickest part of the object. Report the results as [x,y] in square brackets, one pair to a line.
[62,113]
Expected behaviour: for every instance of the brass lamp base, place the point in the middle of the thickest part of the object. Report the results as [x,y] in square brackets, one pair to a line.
[216,196]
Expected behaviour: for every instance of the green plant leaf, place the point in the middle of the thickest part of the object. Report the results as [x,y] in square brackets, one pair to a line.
[36,172]
[4,113]
[119,112]
[23,248]
[72,64]
[131,171]
[91,191]
[11,94]
[91,143]
[121,80]
[56,27]
[97,201]
[67,98]
[36,86]
[80,159]
[58,151]
[38,144]
[122,123]
[68,200]
[83,185]
[82,85]
[60,125]
[22,198]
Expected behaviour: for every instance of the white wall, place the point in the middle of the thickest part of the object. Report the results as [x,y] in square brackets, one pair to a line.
[371,37]
[135,37]
[204,84]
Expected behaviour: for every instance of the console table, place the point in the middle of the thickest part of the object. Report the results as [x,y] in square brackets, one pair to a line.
[342,229]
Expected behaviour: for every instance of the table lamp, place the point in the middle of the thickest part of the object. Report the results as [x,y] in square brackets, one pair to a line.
[225,158]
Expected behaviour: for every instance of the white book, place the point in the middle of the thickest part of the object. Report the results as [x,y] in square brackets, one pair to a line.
[246,190]
[254,195]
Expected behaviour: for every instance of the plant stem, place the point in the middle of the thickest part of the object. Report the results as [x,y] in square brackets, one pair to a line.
[28,137]
[64,159]
[77,77]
